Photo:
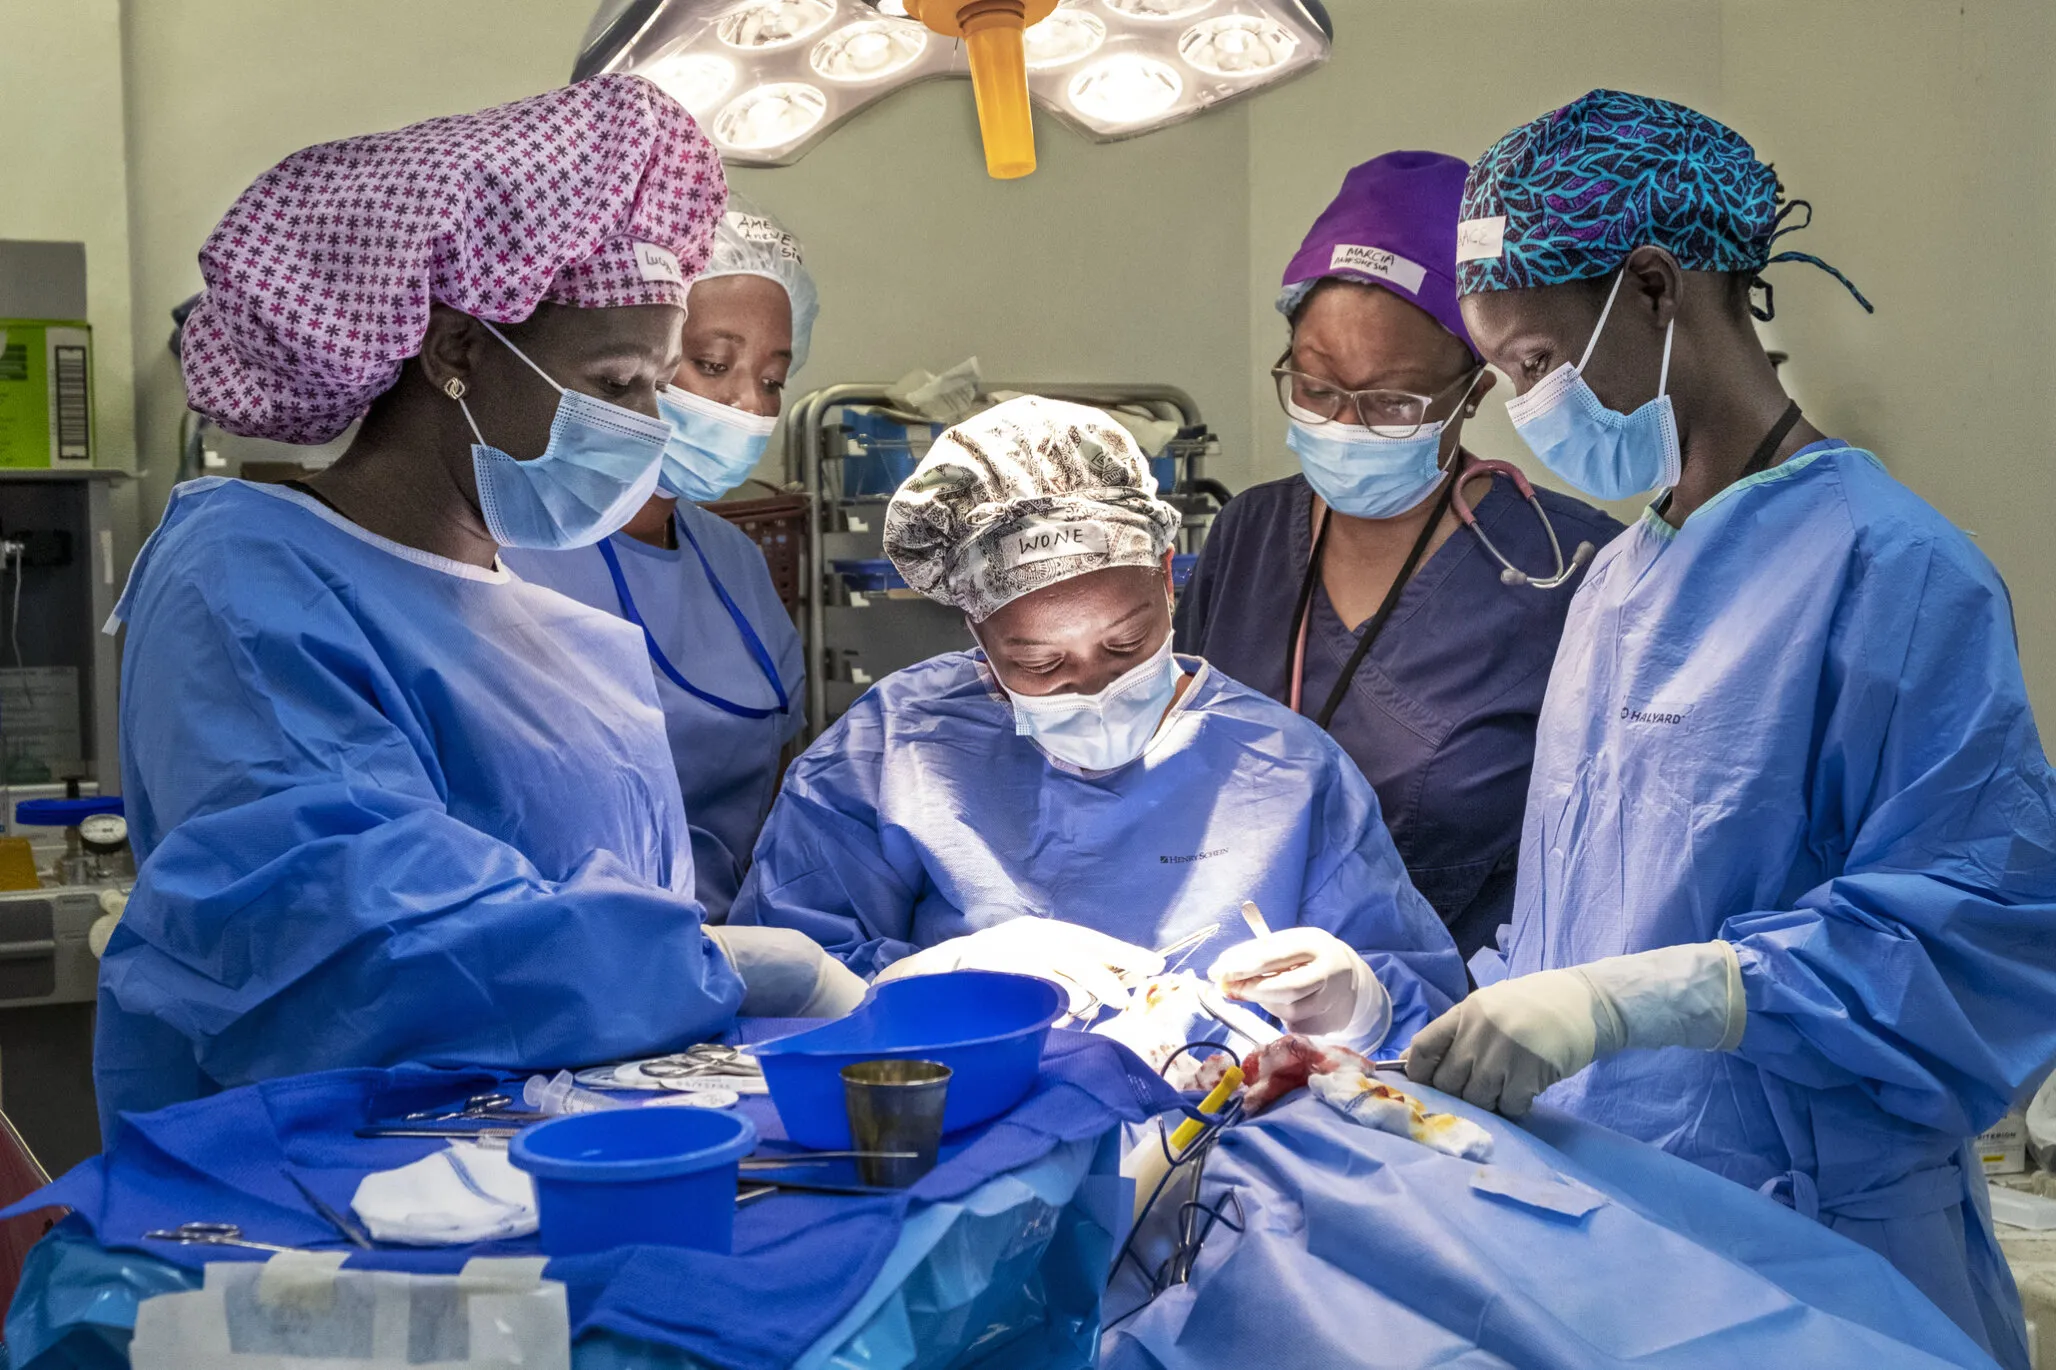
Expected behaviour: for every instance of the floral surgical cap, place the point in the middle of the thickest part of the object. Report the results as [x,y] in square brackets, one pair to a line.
[320,277]
[1024,495]
[1570,195]
[749,242]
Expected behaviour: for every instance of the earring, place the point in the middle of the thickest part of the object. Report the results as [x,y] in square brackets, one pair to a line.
[454,388]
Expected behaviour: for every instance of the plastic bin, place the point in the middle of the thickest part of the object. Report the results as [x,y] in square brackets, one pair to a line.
[870,575]
[988,1027]
[635,1177]
[881,452]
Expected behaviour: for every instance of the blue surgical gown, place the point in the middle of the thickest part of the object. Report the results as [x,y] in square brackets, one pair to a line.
[387,808]
[1798,723]
[921,816]
[1441,714]
[727,764]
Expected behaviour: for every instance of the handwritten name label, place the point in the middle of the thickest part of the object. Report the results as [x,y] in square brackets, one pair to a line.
[1479,240]
[1377,262]
[1049,540]
[658,263]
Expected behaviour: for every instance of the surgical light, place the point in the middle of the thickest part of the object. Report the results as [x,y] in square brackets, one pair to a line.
[1062,39]
[1158,9]
[770,78]
[1126,88]
[869,51]
[764,25]
[770,118]
[1237,45]
[696,80]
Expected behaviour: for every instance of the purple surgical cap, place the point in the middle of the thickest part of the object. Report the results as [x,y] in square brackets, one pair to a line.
[1393,224]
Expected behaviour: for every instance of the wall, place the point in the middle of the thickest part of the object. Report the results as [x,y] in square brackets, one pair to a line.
[219,90]
[1924,133]
[1923,130]
[61,170]
[1122,262]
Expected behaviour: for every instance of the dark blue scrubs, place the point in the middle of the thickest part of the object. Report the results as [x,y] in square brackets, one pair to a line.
[1441,714]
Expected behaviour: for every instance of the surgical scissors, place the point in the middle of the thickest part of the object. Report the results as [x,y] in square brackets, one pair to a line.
[484,1107]
[212,1234]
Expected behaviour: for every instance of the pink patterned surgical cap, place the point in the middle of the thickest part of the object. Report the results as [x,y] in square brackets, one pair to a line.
[319,279]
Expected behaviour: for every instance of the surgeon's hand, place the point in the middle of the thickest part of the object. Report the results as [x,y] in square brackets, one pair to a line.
[1508,1042]
[1311,981]
[1091,967]
[786,974]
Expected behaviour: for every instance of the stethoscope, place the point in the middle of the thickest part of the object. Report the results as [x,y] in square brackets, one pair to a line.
[742,624]
[1461,469]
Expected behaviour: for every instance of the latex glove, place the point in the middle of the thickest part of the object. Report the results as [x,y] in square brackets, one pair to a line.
[113,903]
[1091,967]
[1311,981]
[1508,1042]
[786,974]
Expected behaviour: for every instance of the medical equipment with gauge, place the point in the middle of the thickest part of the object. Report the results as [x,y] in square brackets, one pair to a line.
[768,79]
[58,681]
[850,446]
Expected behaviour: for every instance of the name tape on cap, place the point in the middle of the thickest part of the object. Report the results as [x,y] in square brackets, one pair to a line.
[658,263]
[1376,261]
[754,228]
[1481,240]
[1049,540]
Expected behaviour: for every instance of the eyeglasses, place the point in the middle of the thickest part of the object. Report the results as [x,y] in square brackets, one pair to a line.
[1390,413]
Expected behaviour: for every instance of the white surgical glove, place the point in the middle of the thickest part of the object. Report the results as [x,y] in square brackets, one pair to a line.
[1508,1042]
[1311,981]
[1091,967]
[786,974]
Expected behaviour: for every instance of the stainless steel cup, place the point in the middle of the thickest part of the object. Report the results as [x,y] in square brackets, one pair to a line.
[895,1106]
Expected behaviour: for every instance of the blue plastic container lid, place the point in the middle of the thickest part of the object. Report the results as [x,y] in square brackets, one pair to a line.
[623,1145]
[64,813]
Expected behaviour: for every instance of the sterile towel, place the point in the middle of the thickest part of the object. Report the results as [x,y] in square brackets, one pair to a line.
[467,1194]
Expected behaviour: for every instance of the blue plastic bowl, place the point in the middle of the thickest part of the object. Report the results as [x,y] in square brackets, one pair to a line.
[635,1177]
[986,1026]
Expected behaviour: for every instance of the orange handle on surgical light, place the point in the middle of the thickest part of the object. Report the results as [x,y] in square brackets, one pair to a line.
[991,30]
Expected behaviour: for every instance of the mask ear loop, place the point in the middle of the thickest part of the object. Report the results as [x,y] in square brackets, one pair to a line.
[1597,328]
[1669,333]
[523,355]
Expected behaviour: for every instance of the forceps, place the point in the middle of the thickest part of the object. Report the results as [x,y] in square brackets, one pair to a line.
[212,1234]
[709,1058]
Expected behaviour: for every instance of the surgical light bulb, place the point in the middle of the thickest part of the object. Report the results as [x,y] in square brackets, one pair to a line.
[1237,45]
[870,50]
[696,80]
[1126,88]
[767,24]
[770,117]
[1061,39]
[1157,9]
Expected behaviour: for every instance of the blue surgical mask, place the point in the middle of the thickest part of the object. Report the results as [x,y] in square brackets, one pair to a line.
[1104,731]
[1605,453]
[713,446]
[599,468]
[1362,472]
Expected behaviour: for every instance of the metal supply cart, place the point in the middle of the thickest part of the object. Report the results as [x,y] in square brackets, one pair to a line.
[848,448]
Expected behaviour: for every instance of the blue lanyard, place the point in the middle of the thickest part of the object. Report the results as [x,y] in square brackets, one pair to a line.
[749,636]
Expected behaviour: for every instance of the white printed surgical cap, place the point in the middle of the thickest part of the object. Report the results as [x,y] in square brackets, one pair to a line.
[749,242]
[1022,496]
